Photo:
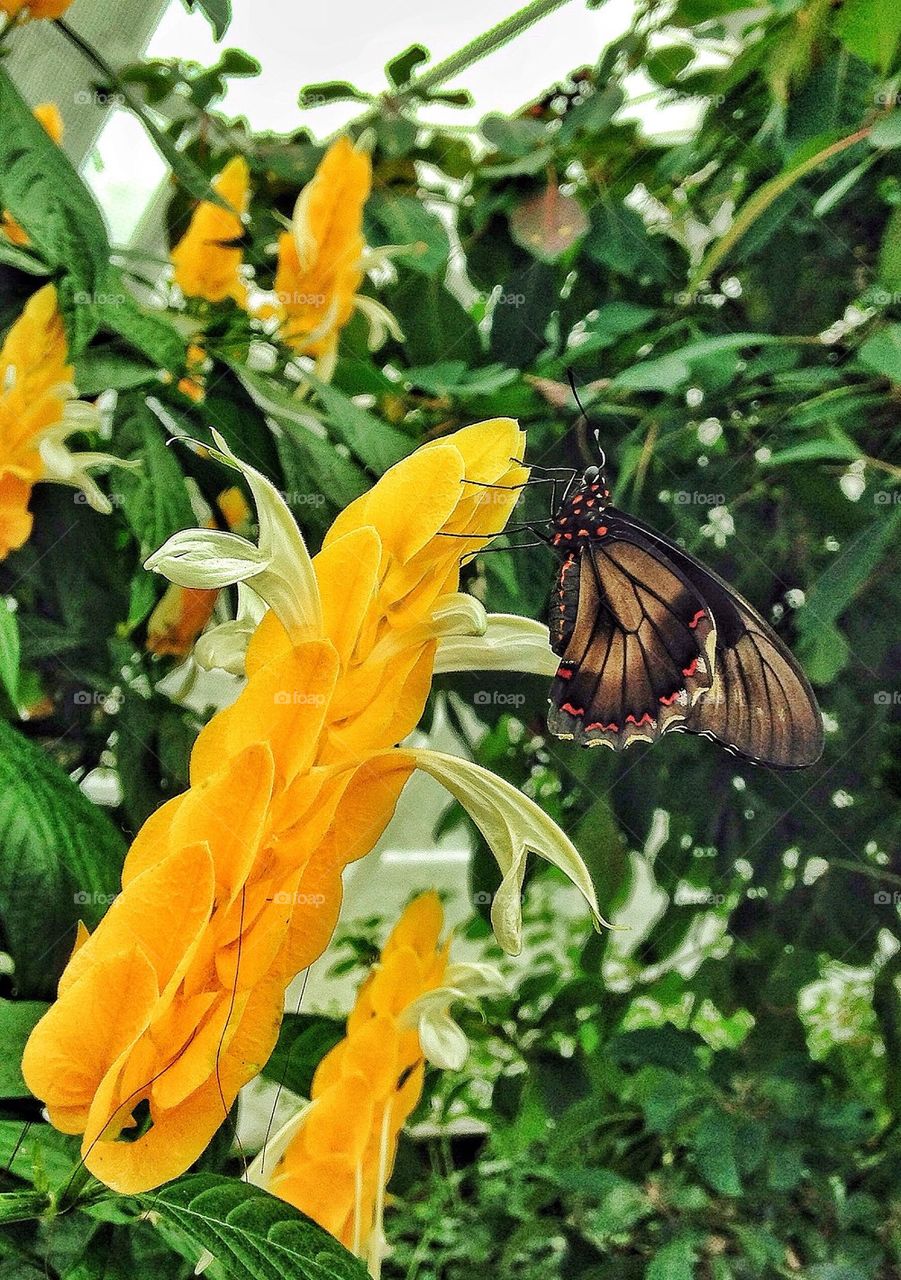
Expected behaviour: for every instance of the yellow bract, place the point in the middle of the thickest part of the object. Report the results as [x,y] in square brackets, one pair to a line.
[29,10]
[35,385]
[338,1163]
[320,261]
[208,259]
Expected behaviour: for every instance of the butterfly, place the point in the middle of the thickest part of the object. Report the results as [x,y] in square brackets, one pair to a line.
[652,641]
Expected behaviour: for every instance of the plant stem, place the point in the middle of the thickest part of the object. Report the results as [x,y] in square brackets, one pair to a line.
[500,34]
[494,38]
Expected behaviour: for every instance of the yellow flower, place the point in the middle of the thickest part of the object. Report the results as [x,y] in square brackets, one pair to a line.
[47,113]
[323,258]
[208,259]
[38,411]
[334,1160]
[233,888]
[29,10]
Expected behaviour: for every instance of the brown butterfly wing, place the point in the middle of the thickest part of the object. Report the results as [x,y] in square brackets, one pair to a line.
[760,703]
[636,641]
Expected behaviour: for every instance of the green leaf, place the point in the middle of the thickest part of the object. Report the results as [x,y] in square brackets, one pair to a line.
[436,326]
[619,240]
[805,161]
[23,1206]
[305,448]
[253,1235]
[613,321]
[839,447]
[217,12]
[594,114]
[675,1261]
[886,132]
[890,253]
[882,353]
[668,373]
[151,333]
[318,94]
[405,220]
[45,195]
[821,646]
[666,65]
[153,497]
[512,137]
[17,1021]
[34,1151]
[9,652]
[713,1144]
[451,378]
[60,858]
[870,29]
[522,309]
[400,69]
[99,369]
[377,444]
[303,1041]
[620,1204]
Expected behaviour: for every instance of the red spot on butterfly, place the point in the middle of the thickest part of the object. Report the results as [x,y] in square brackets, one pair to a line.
[573,711]
[697,618]
[647,718]
[614,728]
[671,698]
[583,533]
[601,530]
[691,668]
[564,673]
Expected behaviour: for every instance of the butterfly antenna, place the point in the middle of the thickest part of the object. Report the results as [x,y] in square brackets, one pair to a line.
[597,431]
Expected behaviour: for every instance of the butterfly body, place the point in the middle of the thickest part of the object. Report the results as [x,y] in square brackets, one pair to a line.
[651,641]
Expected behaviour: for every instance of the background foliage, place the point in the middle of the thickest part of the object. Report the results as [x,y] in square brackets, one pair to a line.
[716,1092]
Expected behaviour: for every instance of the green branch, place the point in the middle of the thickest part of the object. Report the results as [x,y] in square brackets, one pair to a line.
[495,38]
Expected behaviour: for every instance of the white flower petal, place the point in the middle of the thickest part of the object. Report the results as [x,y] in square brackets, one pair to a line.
[459,614]
[443,1042]
[224,647]
[508,643]
[473,979]
[289,585]
[209,558]
[512,824]
[380,321]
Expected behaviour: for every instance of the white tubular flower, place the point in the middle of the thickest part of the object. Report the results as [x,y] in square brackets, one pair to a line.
[63,466]
[382,324]
[279,566]
[512,824]
[506,643]
[443,1041]
[224,647]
